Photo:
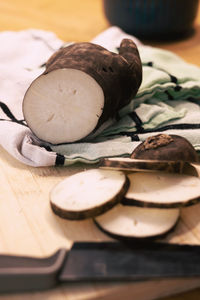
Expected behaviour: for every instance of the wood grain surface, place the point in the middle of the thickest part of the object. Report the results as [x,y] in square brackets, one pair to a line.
[27,224]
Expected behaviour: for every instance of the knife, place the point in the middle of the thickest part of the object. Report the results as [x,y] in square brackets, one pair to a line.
[129,164]
[99,262]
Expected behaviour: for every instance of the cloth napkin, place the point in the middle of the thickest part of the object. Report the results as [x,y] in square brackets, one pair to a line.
[168,100]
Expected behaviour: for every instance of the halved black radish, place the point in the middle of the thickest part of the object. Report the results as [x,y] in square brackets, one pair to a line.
[160,189]
[128,222]
[83,88]
[88,193]
[129,164]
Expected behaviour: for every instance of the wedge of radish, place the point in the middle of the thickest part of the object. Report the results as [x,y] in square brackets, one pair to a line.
[130,164]
[160,189]
[88,194]
[127,222]
[166,147]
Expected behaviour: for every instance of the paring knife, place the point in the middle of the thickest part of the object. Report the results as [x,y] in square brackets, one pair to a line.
[129,164]
[99,262]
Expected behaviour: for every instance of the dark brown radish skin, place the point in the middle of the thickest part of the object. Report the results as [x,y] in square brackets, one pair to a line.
[166,147]
[115,78]
[119,75]
[129,51]
[131,164]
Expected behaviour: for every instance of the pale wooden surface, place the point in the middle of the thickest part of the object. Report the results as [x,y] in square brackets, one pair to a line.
[27,225]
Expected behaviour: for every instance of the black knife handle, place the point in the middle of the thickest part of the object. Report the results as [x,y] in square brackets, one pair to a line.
[100,261]
[114,261]
[23,273]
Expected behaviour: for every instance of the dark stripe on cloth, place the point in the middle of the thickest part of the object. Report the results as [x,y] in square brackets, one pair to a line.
[137,120]
[7,111]
[60,159]
[150,64]
[185,126]
[170,97]
[173,78]
[10,115]
[134,137]
[178,88]
[48,148]
[194,100]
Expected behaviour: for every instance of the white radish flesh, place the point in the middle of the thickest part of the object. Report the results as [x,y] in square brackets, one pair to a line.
[63,106]
[160,189]
[136,222]
[89,193]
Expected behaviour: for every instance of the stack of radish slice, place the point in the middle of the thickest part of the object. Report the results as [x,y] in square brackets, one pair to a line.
[134,205]
[137,197]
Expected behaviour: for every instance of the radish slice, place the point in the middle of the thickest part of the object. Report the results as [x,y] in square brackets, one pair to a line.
[162,190]
[63,106]
[88,194]
[130,164]
[135,222]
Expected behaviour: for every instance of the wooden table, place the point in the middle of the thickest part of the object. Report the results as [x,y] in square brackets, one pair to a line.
[27,225]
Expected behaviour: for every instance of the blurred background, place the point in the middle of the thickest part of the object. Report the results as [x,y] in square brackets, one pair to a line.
[153,19]
[71,20]
[75,20]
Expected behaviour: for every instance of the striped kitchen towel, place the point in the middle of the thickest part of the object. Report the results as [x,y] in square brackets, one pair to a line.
[168,100]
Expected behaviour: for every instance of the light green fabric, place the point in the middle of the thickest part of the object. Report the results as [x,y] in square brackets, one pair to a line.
[168,101]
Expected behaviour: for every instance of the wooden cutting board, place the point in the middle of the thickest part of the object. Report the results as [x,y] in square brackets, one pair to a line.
[27,224]
[29,227]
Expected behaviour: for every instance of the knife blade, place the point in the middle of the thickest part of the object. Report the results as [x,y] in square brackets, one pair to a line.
[129,164]
[99,262]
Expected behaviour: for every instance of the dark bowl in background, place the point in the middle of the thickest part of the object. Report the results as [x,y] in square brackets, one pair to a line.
[152,19]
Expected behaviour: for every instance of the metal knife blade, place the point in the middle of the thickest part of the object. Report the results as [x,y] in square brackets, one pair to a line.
[99,262]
